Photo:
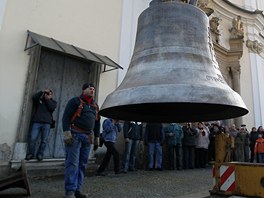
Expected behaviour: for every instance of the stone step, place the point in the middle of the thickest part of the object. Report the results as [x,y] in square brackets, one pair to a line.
[47,167]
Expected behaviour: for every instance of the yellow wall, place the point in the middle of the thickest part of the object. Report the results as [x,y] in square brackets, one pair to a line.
[91,25]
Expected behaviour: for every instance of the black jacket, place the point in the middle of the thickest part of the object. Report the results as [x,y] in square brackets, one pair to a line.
[132,130]
[252,138]
[44,108]
[189,136]
[89,119]
[154,133]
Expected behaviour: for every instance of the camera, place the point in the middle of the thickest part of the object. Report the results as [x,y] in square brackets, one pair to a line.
[48,93]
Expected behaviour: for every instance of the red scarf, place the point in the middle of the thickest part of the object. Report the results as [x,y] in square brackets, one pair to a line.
[88,99]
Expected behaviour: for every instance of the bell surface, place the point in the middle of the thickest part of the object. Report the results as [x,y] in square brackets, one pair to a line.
[173,75]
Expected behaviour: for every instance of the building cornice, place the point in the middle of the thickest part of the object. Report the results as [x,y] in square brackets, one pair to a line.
[224,9]
[230,10]
[223,52]
[243,9]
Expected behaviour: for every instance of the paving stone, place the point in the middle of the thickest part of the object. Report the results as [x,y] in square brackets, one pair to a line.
[193,183]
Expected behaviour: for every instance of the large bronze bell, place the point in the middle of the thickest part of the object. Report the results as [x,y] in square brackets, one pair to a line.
[173,75]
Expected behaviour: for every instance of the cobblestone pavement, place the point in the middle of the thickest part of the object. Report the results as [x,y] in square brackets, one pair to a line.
[194,183]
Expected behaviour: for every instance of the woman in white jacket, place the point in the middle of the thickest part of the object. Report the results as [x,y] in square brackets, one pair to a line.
[201,148]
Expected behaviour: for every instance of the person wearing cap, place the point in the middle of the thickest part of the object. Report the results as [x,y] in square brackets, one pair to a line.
[44,106]
[81,127]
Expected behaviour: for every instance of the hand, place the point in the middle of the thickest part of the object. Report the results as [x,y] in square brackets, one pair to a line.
[68,140]
[96,143]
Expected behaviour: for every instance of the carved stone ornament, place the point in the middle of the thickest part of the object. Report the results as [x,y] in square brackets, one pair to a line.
[214,23]
[237,30]
[203,5]
[255,46]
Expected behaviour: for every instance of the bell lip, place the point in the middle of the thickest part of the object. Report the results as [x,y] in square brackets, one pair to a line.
[181,104]
[173,112]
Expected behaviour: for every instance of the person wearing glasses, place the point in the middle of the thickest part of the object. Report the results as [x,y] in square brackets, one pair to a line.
[42,119]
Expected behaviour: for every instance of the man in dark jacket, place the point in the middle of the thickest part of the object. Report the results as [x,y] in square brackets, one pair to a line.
[154,138]
[132,134]
[188,144]
[80,123]
[253,136]
[41,122]
[174,135]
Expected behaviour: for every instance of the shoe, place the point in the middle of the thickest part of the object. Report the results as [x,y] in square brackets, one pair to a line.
[78,194]
[150,169]
[29,157]
[124,171]
[100,174]
[159,169]
[69,194]
[39,157]
[117,172]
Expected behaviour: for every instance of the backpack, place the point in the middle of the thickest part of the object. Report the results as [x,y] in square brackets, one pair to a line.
[78,111]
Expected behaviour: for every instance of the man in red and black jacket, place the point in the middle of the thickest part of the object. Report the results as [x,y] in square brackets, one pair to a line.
[81,126]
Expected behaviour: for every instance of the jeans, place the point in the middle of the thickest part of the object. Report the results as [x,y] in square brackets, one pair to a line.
[130,155]
[188,156]
[252,157]
[246,152]
[152,148]
[42,129]
[201,157]
[76,161]
[111,150]
[178,151]
[261,157]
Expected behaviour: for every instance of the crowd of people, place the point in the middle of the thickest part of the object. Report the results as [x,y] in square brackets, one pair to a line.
[187,145]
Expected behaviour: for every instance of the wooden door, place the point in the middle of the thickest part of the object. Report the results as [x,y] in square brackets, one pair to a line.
[65,76]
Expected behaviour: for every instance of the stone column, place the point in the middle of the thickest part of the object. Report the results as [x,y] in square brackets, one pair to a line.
[236,51]
[235,72]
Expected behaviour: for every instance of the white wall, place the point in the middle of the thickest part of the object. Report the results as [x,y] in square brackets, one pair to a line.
[131,12]
[2,11]
[257,64]
[91,25]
